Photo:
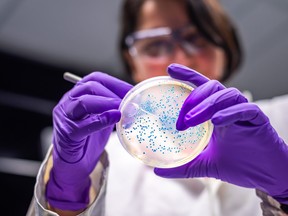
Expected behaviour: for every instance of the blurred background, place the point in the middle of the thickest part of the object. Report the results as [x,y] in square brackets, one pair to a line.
[39,40]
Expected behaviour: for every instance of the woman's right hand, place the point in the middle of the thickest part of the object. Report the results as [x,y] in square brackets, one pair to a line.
[244,149]
[82,123]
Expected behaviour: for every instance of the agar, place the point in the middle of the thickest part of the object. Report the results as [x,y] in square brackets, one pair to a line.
[147,129]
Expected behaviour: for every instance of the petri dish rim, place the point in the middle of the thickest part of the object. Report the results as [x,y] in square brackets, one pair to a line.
[144,85]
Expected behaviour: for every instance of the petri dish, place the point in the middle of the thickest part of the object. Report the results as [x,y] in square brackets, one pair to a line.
[147,128]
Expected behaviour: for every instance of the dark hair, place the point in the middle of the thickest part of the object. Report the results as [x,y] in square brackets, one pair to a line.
[210,19]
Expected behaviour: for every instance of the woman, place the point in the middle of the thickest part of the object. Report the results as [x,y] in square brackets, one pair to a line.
[156,33]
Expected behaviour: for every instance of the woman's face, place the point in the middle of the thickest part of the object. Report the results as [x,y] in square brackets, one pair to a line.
[170,13]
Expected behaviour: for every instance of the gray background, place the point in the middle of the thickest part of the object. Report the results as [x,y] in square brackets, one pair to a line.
[82,34]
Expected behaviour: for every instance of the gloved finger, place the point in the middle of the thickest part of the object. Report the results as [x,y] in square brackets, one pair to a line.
[211,105]
[246,112]
[119,87]
[198,95]
[89,104]
[93,123]
[92,88]
[181,72]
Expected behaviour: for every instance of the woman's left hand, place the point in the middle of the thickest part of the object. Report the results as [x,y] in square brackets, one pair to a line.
[244,149]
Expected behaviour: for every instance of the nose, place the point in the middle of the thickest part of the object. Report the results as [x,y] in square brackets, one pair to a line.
[181,56]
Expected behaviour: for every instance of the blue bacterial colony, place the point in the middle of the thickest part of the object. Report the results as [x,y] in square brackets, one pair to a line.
[148,127]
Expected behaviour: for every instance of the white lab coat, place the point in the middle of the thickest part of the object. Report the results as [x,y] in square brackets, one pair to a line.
[133,188]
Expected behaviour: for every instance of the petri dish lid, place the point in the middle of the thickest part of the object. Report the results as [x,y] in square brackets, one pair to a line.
[147,128]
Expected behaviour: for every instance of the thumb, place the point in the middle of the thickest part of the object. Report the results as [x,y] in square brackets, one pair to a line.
[195,168]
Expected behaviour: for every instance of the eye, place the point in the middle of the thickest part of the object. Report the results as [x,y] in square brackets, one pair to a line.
[196,40]
[157,47]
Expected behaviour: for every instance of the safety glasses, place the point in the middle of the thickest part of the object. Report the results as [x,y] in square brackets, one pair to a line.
[161,43]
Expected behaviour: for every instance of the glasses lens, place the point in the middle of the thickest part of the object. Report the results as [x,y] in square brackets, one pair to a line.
[155,47]
[191,36]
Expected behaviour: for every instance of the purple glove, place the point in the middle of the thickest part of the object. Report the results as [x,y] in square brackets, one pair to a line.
[83,121]
[244,150]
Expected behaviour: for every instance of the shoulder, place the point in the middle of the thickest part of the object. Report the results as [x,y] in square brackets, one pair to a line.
[279,102]
[276,110]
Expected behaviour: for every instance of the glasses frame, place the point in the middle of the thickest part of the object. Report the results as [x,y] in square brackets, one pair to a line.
[158,32]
